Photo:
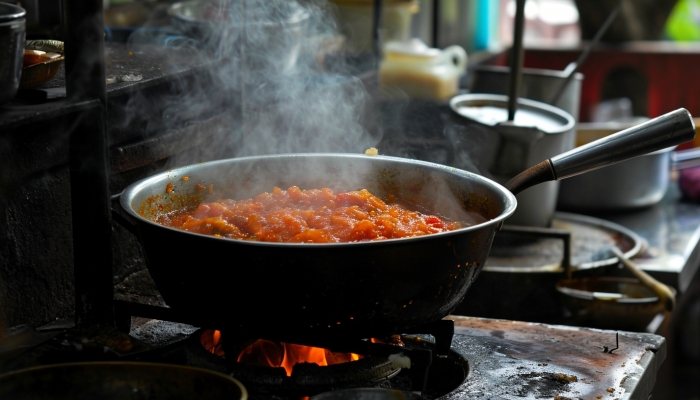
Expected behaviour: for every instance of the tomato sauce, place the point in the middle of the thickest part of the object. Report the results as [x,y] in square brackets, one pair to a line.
[307,216]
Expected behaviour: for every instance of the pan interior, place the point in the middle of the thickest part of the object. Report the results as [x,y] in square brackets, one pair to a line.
[448,192]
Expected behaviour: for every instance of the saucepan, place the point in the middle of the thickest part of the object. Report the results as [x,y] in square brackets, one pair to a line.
[301,292]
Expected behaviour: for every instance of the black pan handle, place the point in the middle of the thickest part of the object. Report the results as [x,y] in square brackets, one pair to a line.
[659,133]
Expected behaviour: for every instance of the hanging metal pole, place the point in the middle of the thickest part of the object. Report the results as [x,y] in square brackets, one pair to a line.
[376,31]
[516,59]
[436,23]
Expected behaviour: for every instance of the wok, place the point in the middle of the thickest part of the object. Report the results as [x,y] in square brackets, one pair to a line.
[306,292]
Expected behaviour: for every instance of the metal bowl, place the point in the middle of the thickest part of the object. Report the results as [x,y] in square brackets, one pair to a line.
[610,302]
[119,380]
[12,34]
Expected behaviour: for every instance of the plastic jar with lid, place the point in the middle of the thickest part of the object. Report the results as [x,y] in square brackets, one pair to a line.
[422,72]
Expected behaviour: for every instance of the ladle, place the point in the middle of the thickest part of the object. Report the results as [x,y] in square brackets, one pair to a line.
[572,68]
[664,293]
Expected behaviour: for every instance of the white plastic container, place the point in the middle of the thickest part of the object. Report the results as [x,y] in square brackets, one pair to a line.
[422,72]
[355,20]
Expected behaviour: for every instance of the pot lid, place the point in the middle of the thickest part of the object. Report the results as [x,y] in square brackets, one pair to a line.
[492,110]
[10,12]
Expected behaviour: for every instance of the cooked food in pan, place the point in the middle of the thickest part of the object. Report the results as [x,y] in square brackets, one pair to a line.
[307,216]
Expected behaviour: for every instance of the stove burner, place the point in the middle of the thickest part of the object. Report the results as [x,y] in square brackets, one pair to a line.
[442,373]
[591,237]
[306,378]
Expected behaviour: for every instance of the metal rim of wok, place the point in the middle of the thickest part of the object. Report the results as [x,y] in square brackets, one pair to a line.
[127,196]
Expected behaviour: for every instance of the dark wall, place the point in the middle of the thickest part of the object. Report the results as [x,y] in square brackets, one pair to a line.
[36,253]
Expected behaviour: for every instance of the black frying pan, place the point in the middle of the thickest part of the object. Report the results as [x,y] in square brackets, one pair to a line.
[356,290]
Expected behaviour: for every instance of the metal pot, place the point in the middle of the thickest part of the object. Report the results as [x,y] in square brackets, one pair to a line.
[119,380]
[546,132]
[636,183]
[270,34]
[307,292]
[12,33]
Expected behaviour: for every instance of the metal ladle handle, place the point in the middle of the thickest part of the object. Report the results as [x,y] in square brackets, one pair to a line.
[659,133]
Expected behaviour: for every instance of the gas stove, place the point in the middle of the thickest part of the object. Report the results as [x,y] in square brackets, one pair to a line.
[485,359]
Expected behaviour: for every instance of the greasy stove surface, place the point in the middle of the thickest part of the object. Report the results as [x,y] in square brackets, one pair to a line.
[510,360]
[507,359]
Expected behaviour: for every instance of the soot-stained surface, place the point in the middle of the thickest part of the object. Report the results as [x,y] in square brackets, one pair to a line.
[515,360]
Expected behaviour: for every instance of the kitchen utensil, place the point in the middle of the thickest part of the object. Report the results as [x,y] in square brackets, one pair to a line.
[614,302]
[12,34]
[41,72]
[610,302]
[305,293]
[539,131]
[119,380]
[636,183]
[272,32]
[516,59]
[666,296]
[572,68]
[421,72]
[640,20]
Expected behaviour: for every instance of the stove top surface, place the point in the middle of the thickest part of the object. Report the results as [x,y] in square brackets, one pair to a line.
[507,359]
[510,359]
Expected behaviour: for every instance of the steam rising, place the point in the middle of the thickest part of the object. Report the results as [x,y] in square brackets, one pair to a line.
[267,72]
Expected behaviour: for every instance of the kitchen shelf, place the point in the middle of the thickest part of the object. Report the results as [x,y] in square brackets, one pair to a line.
[154,64]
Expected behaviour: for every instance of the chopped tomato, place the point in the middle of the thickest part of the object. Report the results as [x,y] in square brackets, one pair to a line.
[307,216]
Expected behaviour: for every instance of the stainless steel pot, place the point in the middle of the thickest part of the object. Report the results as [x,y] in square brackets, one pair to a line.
[268,36]
[636,183]
[546,132]
[12,34]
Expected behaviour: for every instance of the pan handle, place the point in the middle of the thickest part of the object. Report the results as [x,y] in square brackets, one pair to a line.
[659,133]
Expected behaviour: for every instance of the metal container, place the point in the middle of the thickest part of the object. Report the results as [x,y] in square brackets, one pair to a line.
[539,131]
[536,84]
[12,34]
[610,302]
[636,183]
[119,380]
[271,34]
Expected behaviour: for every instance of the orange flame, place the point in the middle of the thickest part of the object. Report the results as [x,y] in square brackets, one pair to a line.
[275,354]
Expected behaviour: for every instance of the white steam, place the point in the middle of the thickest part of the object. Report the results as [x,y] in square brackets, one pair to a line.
[268,75]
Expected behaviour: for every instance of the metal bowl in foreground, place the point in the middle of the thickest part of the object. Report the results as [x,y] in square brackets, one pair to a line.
[119,380]
[610,302]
